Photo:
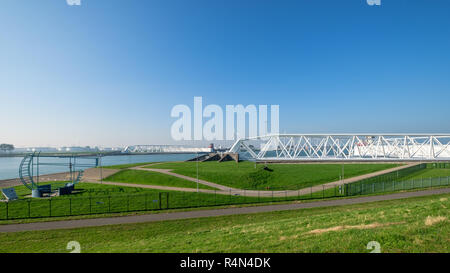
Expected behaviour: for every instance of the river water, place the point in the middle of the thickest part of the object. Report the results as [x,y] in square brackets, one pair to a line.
[9,166]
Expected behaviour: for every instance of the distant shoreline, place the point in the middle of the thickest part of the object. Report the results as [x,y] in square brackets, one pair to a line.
[93,153]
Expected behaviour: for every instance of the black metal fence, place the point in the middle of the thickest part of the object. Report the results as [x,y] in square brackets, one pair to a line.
[117,201]
[363,188]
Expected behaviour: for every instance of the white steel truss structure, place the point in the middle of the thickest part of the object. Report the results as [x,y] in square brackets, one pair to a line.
[323,147]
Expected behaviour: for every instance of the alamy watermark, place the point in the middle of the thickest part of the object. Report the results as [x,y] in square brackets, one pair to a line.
[234,127]
[74,246]
[374,2]
[78,2]
[374,246]
[73,2]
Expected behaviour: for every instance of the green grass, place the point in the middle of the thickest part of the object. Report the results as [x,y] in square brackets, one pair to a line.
[406,225]
[243,175]
[82,190]
[100,199]
[153,178]
[428,173]
[422,176]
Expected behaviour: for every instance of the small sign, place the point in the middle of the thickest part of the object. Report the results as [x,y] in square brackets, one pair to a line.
[10,194]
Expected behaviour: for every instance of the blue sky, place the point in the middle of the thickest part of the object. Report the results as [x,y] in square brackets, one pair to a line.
[108,72]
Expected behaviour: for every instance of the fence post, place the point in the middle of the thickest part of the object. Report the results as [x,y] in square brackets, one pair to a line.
[50,207]
[167,200]
[146,200]
[198,199]
[159,200]
[29,209]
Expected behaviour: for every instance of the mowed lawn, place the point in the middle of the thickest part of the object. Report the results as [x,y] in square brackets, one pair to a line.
[153,178]
[245,175]
[428,173]
[90,198]
[407,225]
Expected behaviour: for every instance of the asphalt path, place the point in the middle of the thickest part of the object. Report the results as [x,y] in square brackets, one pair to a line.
[71,224]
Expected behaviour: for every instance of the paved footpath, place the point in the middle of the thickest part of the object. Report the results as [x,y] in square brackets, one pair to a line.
[234,191]
[209,213]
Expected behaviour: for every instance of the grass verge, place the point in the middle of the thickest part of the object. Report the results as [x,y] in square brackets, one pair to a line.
[153,178]
[408,225]
[247,175]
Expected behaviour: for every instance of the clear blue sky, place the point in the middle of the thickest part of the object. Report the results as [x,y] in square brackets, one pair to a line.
[108,72]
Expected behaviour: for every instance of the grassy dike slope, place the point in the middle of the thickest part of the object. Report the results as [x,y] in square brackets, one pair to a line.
[407,225]
[244,175]
[153,178]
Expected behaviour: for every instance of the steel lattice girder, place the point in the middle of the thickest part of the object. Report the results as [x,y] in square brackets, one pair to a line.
[281,147]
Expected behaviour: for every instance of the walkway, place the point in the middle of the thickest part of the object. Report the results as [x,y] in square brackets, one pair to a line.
[255,193]
[209,213]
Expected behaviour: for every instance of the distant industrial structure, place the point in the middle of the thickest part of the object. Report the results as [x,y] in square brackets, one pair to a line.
[170,149]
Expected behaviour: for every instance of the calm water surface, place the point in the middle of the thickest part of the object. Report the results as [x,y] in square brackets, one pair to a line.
[9,166]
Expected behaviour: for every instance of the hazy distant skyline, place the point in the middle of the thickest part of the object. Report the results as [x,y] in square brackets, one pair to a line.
[108,72]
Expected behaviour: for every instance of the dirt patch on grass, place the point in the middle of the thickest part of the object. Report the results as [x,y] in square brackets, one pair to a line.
[431,220]
[362,226]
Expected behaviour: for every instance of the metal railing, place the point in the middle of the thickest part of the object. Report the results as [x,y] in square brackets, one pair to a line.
[102,202]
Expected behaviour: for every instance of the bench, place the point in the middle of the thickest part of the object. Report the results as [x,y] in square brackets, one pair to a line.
[45,189]
[67,189]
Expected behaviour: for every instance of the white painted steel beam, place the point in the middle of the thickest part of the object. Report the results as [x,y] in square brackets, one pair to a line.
[351,147]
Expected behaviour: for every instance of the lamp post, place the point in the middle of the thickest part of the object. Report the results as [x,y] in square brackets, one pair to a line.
[101,170]
[197,170]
